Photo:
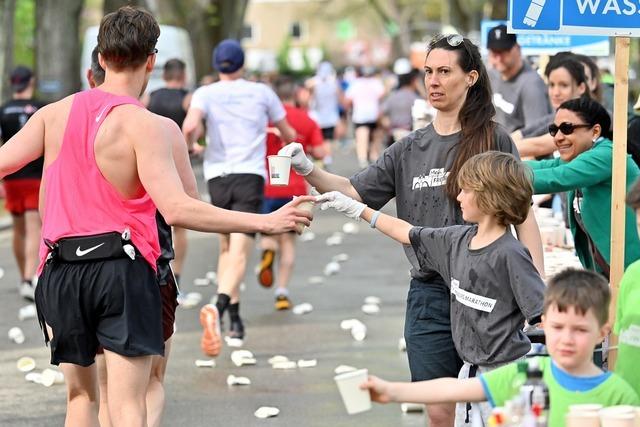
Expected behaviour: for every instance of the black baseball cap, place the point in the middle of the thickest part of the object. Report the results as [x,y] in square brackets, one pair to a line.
[499,39]
[20,78]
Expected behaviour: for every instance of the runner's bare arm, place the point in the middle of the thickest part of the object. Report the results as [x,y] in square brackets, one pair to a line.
[157,171]
[529,234]
[23,147]
[192,126]
[183,165]
[287,133]
[441,390]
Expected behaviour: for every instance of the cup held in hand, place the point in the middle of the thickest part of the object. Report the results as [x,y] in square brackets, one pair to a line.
[305,206]
[279,168]
[355,399]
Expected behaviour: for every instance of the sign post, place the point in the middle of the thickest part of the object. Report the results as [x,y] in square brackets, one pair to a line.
[620,19]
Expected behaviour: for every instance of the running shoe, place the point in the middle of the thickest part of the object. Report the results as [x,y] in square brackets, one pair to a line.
[236,329]
[265,271]
[282,302]
[27,291]
[211,341]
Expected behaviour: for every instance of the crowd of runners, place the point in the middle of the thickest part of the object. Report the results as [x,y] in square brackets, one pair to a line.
[109,170]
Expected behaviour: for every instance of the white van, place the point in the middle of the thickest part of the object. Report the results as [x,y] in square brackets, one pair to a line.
[174,42]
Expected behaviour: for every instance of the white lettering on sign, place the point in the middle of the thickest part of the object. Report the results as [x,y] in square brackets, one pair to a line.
[611,6]
[472,300]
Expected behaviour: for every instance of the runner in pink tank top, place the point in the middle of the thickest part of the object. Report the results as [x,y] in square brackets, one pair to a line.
[106,159]
[79,201]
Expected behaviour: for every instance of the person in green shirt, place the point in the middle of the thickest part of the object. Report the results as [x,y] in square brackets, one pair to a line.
[575,320]
[583,170]
[627,325]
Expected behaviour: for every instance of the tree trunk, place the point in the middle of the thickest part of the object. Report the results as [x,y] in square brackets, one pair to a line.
[113,5]
[7,12]
[58,47]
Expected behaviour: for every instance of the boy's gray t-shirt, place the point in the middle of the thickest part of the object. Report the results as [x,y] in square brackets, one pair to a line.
[414,171]
[520,100]
[493,290]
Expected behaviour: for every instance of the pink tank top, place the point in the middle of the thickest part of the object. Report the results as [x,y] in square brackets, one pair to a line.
[79,201]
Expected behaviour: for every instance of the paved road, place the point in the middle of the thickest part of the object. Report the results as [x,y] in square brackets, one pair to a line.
[200,396]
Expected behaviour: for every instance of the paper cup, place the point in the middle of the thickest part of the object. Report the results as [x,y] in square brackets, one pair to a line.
[279,168]
[26,364]
[355,400]
[582,419]
[585,407]
[51,377]
[637,416]
[305,206]
[618,420]
[16,335]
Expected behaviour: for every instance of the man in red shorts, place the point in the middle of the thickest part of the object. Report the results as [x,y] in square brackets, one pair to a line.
[22,187]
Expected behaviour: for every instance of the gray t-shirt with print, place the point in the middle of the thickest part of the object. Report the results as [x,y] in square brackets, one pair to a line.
[519,100]
[414,171]
[493,290]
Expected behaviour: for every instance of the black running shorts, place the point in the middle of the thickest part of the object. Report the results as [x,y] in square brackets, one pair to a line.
[242,192]
[112,303]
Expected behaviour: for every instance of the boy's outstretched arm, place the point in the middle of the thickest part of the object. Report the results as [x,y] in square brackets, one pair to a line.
[393,227]
[441,390]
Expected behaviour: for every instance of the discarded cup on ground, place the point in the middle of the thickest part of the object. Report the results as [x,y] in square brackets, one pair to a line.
[233,380]
[279,168]
[51,377]
[201,281]
[212,276]
[355,399]
[303,308]
[340,257]
[347,324]
[26,364]
[305,206]
[266,412]
[205,363]
[350,228]
[242,357]
[289,364]
[371,309]
[372,300]
[233,342]
[316,280]
[16,335]
[331,268]
[34,377]
[334,240]
[27,312]
[278,359]
[312,363]
[359,331]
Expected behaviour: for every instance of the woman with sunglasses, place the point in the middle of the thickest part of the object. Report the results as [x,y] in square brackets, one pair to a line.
[581,135]
[566,80]
[421,171]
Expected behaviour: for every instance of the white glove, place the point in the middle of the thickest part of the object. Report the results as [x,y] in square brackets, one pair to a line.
[341,203]
[299,161]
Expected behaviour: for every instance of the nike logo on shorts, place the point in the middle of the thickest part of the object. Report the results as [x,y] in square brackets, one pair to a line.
[81,252]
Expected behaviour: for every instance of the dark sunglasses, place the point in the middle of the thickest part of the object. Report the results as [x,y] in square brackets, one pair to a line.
[566,128]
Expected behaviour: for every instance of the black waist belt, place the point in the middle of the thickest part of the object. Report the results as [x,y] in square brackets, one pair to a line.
[103,246]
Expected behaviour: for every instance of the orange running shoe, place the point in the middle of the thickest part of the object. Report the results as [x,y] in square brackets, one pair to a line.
[265,273]
[211,341]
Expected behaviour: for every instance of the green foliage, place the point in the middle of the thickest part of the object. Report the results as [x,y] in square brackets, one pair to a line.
[284,67]
[24,33]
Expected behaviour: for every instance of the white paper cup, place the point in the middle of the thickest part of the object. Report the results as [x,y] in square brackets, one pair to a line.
[51,377]
[637,416]
[305,206]
[26,364]
[355,400]
[618,420]
[279,168]
[582,419]
[16,335]
[585,407]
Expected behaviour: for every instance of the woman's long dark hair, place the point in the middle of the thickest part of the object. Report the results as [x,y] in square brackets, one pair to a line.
[476,114]
[573,67]
[591,111]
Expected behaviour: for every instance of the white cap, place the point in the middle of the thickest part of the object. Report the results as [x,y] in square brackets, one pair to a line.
[402,66]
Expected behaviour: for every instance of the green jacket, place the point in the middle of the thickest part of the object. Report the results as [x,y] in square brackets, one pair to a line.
[591,173]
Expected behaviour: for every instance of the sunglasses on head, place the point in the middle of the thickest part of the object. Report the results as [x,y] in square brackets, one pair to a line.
[454,40]
[566,128]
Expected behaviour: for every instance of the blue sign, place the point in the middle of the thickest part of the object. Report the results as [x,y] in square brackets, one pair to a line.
[594,17]
[540,43]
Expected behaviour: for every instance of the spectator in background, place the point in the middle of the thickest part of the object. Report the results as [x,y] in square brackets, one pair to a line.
[325,103]
[519,94]
[364,95]
[23,186]
[566,80]
[633,134]
[310,136]
[396,108]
